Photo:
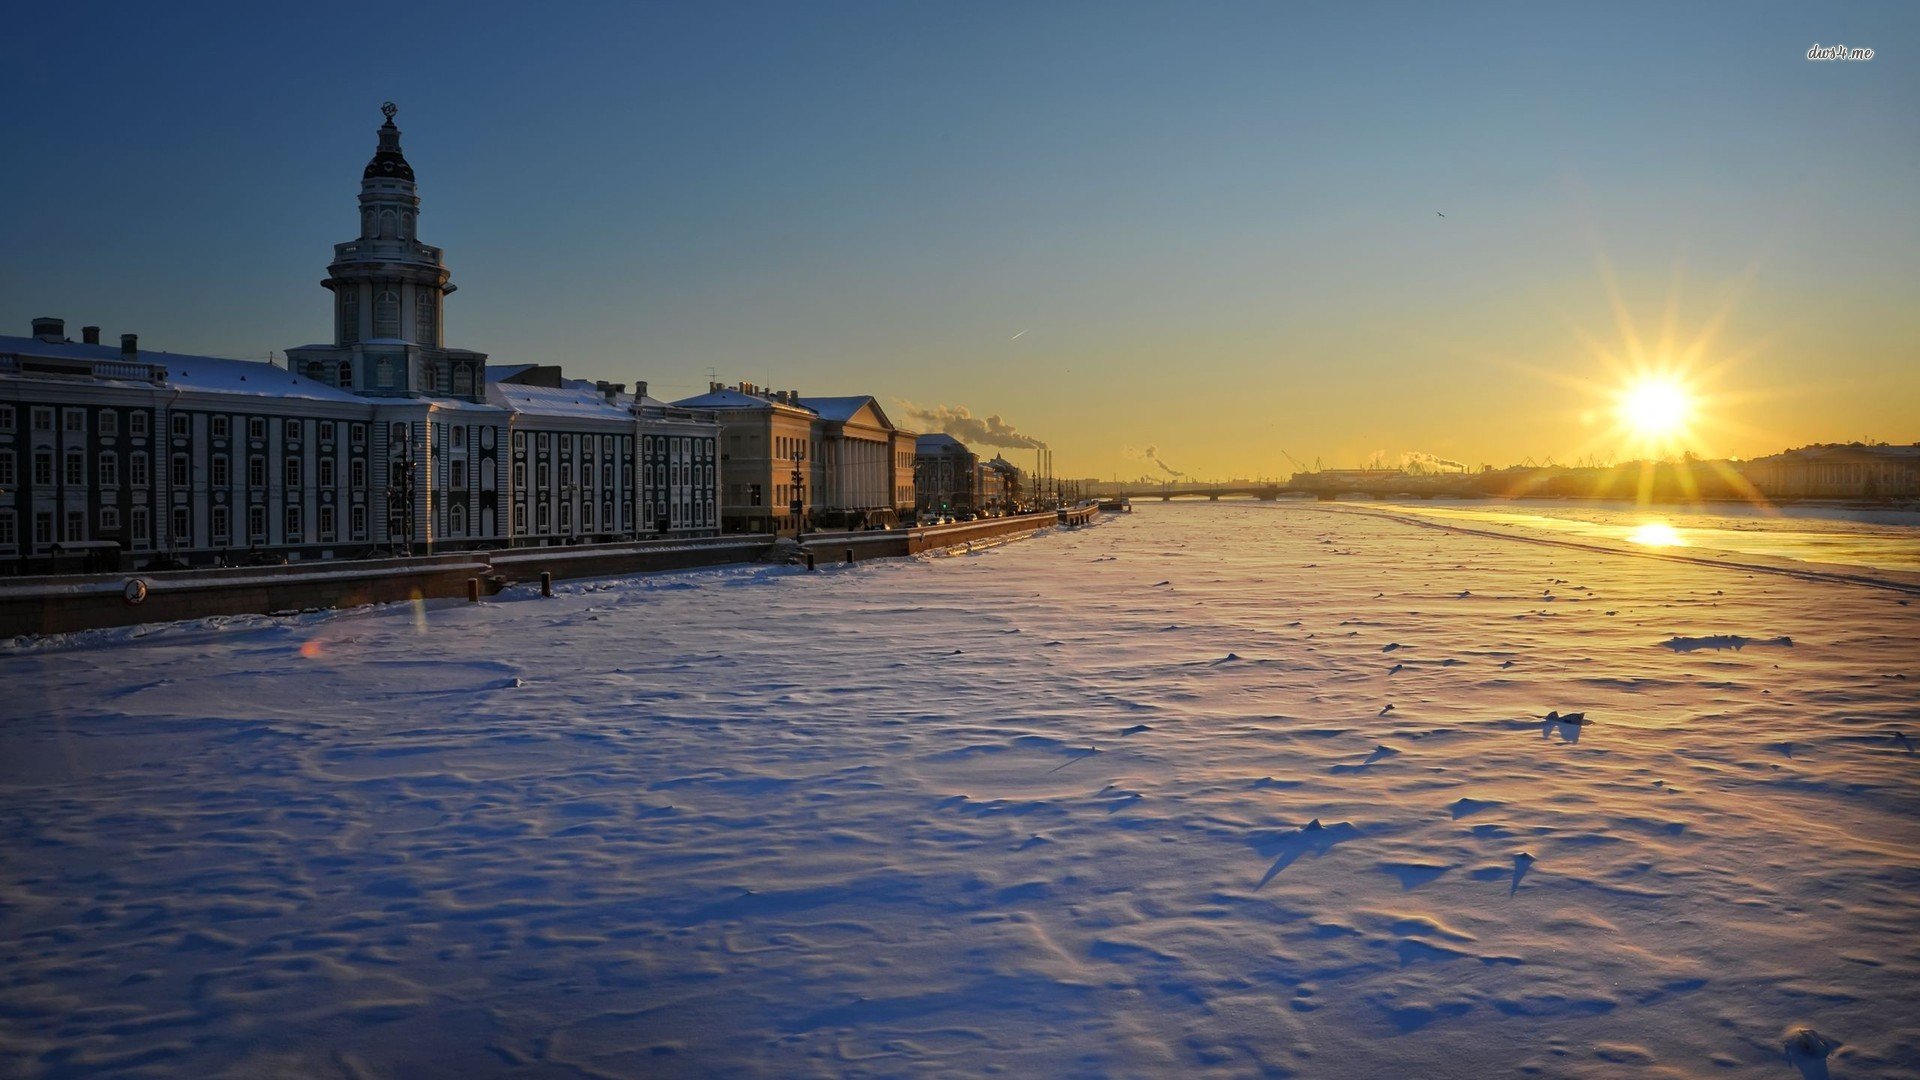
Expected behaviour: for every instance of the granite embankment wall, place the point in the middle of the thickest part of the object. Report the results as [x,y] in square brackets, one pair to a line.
[64,603]
[838,547]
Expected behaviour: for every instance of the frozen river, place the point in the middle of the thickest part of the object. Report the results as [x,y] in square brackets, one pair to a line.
[1227,790]
[1887,540]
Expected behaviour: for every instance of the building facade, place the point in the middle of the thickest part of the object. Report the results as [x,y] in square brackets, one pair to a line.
[1003,486]
[790,464]
[865,464]
[383,442]
[946,476]
[591,462]
[176,457]
[769,457]
[1838,471]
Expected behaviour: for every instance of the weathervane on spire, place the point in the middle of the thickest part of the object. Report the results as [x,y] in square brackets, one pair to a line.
[388,108]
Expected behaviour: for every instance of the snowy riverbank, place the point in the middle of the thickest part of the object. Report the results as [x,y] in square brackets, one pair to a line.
[1041,810]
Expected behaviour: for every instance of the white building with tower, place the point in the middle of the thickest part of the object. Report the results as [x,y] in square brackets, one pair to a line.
[383,441]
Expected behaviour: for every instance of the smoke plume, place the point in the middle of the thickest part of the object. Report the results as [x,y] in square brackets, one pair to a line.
[956,421]
[1152,453]
[1419,461]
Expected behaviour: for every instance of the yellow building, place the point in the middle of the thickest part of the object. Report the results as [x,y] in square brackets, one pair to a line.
[767,449]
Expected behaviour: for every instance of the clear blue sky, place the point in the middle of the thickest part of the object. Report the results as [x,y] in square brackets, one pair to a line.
[1216,223]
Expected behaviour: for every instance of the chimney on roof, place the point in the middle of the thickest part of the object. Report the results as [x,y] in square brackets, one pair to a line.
[639,391]
[793,397]
[50,330]
[90,335]
[129,346]
[613,389]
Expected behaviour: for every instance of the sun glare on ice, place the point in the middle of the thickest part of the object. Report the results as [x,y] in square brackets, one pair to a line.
[1656,534]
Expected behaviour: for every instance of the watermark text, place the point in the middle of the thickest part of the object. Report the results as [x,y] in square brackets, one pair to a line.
[1837,52]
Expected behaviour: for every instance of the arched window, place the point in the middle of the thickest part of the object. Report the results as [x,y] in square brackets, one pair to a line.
[386,223]
[366,223]
[316,371]
[386,314]
[383,374]
[463,380]
[349,316]
[457,520]
[406,225]
[423,317]
[346,374]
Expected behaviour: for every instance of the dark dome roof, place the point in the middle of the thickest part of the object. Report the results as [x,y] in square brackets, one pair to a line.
[388,161]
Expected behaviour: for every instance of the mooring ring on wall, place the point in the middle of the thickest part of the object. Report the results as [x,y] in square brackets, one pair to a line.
[135,592]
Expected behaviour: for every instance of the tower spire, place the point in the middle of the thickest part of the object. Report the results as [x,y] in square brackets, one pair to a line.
[389,291]
[387,161]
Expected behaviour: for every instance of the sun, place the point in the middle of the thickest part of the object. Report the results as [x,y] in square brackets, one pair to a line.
[1655,408]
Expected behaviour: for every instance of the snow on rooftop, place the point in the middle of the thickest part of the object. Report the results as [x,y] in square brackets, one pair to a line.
[575,398]
[258,378]
[186,371]
[733,399]
[838,408]
[939,440]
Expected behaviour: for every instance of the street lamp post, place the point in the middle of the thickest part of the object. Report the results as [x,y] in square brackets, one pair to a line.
[799,503]
[918,465]
[400,503]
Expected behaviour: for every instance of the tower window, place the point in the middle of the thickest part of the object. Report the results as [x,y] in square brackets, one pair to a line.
[386,314]
[349,316]
[383,374]
[423,317]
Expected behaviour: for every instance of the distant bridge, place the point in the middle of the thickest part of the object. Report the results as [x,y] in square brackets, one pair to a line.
[1325,486]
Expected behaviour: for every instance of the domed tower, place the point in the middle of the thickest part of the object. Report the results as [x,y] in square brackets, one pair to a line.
[389,295]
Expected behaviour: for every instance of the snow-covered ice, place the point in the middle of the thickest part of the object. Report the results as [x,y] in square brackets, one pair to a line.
[1119,801]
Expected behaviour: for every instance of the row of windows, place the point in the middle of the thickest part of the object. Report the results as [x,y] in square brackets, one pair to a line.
[685,514]
[690,514]
[568,475]
[107,470]
[140,527]
[451,379]
[699,449]
[181,425]
[75,420]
